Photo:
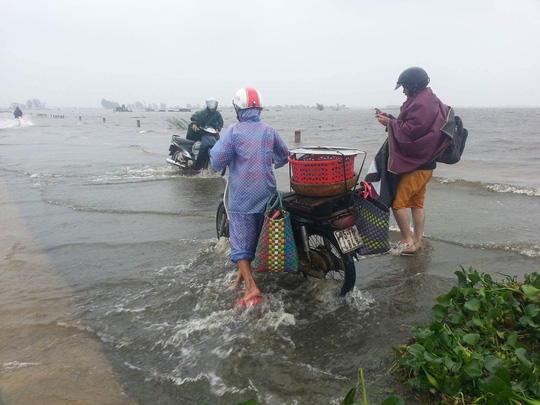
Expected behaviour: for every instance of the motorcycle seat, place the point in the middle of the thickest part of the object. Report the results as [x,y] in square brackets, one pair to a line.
[319,208]
[182,141]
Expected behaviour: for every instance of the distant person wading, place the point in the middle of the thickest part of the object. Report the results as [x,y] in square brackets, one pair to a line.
[17,113]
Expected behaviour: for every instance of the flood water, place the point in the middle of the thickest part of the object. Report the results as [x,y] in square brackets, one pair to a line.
[112,275]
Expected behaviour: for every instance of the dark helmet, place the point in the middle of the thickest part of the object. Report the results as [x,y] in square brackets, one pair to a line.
[414,78]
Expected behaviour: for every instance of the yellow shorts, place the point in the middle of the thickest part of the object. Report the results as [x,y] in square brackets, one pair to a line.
[412,190]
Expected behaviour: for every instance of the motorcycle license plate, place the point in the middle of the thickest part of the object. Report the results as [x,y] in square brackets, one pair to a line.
[348,239]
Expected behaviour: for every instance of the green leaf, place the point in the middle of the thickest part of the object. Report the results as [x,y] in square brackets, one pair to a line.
[449,363]
[433,359]
[495,312]
[421,332]
[457,318]
[473,369]
[462,279]
[527,321]
[467,292]
[439,312]
[393,400]
[457,366]
[504,375]
[531,310]
[417,350]
[492,363]
[533,279]
[474,276]
[349,398]
[478,322]
[513,341]
[493,385]
[530,291]
[471,338]
[523,357]
[473,305]
[444,300]
[432,380]
[435,326]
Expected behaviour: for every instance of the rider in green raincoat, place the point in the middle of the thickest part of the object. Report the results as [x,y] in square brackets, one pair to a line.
[209,117]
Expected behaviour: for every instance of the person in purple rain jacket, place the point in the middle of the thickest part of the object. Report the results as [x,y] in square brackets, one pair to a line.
[415,139]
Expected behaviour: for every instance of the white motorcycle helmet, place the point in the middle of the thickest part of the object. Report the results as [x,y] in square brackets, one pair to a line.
[211,104]
[247,97]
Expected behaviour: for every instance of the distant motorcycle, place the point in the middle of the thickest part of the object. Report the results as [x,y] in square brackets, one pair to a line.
[183,152]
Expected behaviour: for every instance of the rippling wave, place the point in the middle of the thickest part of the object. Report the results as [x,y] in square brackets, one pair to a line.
[498,188]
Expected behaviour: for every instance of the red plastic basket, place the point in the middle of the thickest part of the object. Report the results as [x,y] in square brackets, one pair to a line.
[321,169]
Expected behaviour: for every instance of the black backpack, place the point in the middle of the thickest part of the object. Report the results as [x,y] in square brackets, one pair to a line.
[453,127]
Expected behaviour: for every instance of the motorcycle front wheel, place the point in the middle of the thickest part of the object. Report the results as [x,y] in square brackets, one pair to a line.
[339,266]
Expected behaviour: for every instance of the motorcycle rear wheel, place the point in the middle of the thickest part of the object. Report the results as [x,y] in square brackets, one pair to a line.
[222,222]
[339,266]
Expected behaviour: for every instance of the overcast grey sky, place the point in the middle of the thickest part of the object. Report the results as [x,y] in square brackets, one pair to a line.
[73,53]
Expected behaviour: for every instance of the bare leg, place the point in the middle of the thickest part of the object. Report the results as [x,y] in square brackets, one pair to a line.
[402,219]
[244,272]
[418,219]
[238,280]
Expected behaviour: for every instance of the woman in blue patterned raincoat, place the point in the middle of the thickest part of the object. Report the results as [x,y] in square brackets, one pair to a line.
[249,148]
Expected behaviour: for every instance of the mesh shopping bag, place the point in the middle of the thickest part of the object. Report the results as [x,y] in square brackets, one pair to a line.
[276,250]
[372,220]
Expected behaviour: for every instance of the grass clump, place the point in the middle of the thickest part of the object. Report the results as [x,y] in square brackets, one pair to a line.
[177,123]
[483,346]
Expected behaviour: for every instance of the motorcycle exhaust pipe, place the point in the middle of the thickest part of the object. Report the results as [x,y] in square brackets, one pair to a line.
[172,162]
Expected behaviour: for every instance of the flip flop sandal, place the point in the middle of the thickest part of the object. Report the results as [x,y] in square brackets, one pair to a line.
[250,302]
[408,253]
[398,250]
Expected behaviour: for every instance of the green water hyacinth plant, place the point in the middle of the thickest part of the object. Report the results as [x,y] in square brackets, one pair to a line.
[483,346]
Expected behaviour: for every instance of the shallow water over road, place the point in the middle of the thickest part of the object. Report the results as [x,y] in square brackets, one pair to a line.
[133,263]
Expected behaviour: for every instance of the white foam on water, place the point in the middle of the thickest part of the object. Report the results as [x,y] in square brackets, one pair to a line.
[505,188]
[208,173]
[496,187]
[273,319]
[134,174]
[217,386]
[119,308]
[220,353]
[223,248]
[16,123]
[213,321]
[359,299]
[13,365]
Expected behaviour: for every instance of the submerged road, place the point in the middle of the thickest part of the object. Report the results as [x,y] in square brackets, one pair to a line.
[41,360]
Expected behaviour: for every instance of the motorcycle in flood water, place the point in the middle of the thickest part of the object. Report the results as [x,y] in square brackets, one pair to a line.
[183,152]
[324,231]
